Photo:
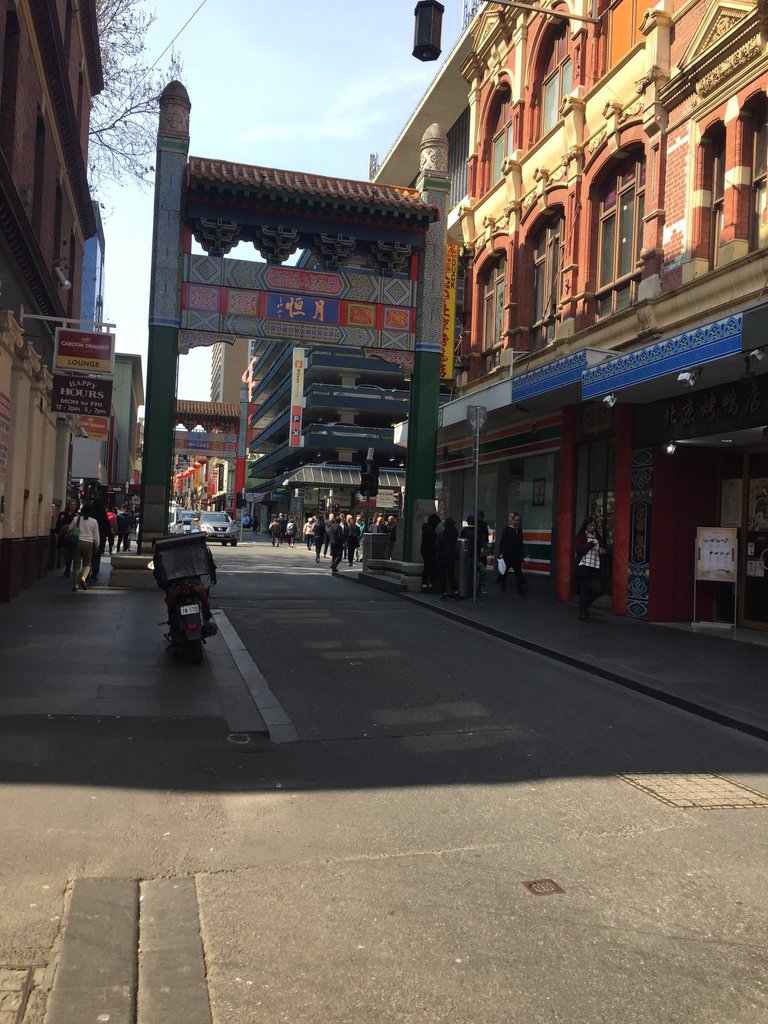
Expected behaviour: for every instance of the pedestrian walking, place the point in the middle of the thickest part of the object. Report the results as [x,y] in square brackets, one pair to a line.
[512,551]
[446,551]
[308,532]
[318,535]
[290,531]
[88,542]
[98,512]
[352,539]
[274,532]
[391,526]
[335,532]
[428,552]
[65,543]
[588,547]
[124,522]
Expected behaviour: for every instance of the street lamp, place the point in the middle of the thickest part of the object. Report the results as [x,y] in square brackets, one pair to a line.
[429,23]
[429,20]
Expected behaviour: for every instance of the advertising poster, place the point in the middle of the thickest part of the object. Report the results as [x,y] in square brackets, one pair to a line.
[295,440]
[449,311]
[84,352]
[96,427]
[716,554]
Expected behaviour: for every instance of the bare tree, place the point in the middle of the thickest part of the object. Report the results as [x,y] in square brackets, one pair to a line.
[123,123]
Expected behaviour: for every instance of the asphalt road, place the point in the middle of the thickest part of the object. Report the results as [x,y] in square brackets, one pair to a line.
[374,870]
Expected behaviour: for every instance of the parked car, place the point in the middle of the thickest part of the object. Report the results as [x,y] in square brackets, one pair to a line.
[183,521]
[219,526]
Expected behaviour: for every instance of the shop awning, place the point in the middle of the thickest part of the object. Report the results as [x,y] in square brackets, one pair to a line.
[261,496]
[322,474]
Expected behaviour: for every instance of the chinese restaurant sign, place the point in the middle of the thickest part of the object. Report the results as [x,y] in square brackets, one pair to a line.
[223,299]
[84,352]
[449,311]
[81,396]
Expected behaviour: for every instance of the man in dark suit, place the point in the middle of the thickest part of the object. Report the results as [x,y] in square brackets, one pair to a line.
[512,551]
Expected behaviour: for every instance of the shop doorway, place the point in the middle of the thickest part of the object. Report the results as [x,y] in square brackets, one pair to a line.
[754,559]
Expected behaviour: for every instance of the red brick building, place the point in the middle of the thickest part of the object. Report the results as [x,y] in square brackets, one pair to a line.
[615,317]
[50,69]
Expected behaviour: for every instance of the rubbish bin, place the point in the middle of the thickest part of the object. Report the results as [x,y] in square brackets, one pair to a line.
[463,567]
[375,545]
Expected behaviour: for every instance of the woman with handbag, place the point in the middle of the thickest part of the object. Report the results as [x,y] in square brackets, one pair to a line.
[64,544]
[88,540]
[588,547]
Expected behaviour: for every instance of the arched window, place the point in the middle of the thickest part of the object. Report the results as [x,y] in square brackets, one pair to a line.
[621,209]
[493,313]
[500,134]
[717,156]
[557,79]
[758,229]
[547,265]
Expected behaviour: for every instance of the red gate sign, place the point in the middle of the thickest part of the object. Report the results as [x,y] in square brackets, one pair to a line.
[83,351]
[81,396]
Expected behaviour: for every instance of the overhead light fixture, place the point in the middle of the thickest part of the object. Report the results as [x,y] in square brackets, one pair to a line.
[610,400]
[688,377]
[757,354]
[670,448]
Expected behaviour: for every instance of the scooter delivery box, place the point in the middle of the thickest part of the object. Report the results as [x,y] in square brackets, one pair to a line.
[179,557]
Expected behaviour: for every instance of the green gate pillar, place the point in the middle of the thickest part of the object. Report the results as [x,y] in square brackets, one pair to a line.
[164,313]
[421,463]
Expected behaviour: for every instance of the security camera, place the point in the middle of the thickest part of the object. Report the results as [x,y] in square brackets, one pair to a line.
[610,400]
[687,377]
[64,281]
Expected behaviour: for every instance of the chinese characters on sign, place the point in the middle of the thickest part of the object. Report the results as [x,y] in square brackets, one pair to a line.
[449,311]
[302,308]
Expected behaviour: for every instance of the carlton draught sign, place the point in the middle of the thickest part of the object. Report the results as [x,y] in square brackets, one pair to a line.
[84,352]
[81,396]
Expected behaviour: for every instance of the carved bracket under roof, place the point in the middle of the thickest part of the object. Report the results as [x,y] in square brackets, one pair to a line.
[216,237]
[391,258]
[275,244]
[333,251]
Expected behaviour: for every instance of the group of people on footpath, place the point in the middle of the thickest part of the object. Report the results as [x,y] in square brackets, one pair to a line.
[440,554]
[83,533]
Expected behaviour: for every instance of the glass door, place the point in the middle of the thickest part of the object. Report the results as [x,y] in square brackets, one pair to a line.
[755,562]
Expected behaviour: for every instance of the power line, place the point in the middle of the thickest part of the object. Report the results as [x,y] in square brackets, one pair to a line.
[202,4]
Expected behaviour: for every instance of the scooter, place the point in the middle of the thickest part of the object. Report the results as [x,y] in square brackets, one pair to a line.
[180,563]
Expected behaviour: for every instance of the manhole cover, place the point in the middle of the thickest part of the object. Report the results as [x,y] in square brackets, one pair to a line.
[543,887]
[15,985]
[696,790]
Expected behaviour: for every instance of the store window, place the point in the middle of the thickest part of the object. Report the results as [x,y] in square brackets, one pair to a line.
[493,314]
[558,79]
[621,210]
[547,265]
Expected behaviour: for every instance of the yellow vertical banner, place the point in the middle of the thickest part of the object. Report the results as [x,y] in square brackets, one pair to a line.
[295,440]
[449,311]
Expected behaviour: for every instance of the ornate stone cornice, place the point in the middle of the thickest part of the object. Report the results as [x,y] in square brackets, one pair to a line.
[390,258]
[11,335]
[276,244]
[745,54]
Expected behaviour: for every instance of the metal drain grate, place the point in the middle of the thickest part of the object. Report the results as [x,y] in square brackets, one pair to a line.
[697,790]
[543,887]
[15,985]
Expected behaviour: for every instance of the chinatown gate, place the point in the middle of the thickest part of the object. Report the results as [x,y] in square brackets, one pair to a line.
[389,302]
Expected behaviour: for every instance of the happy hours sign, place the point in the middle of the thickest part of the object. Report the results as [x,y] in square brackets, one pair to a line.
[81,396]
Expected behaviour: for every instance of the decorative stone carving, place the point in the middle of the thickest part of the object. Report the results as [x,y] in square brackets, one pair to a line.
[276,244]
[654,76]
[174,111]
[334,250]
[434,151]
[391,258]
[217,237]
[747,52]
[631,110]
[597,140]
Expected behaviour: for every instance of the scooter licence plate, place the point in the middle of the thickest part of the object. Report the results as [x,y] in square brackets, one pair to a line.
[190,609]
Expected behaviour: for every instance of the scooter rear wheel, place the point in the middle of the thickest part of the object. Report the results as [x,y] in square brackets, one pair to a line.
[195,648]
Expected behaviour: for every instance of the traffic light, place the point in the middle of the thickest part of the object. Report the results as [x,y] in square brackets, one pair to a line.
[369,481]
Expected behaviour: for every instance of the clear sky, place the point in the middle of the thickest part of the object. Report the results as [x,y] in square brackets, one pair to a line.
[303,85]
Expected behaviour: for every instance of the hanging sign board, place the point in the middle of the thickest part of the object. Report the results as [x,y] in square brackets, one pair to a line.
[84,352]
[96,427]
[81,396]
[716,554]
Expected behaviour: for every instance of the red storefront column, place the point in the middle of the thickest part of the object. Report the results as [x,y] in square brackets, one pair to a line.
[623,420]
[565,504]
